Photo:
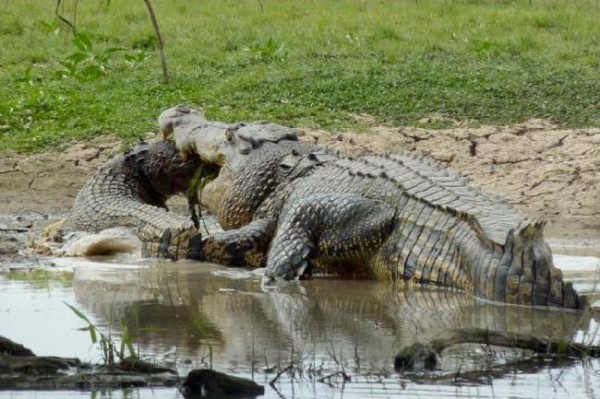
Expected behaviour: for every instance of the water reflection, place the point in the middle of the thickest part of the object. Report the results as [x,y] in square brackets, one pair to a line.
[192,313]
[197,308]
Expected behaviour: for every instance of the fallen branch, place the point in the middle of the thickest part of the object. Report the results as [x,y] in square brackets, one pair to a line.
[538,345]
[426,355]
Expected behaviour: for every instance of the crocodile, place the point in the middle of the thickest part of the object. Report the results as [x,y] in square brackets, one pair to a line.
[296,208]
[131,190]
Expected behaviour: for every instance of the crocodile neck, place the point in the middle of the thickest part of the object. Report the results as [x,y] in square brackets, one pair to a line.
[279,165]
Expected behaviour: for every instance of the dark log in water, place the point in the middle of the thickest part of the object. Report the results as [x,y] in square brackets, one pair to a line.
[419,356]
[213,384]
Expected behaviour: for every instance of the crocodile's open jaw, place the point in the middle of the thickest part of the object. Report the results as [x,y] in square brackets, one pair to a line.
[209,184]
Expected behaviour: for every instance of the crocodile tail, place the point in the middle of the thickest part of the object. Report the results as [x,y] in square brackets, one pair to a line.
[525,274]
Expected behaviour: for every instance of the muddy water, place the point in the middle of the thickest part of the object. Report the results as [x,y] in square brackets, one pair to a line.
[191,315]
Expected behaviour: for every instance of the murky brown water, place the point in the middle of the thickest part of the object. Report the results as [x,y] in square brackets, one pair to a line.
[192,314]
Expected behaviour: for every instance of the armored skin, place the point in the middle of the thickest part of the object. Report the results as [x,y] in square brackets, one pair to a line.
[295,208]
[131,190]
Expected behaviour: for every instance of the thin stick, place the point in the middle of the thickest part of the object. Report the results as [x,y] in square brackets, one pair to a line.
[161,44]
[66,21]
[345,376]
[74,14]
[274,380]
[15,229]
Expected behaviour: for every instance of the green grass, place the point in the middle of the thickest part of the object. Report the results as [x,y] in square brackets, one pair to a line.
[305,63]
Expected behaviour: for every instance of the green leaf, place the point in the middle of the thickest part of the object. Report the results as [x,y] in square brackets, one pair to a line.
[77,57]
[82,42]
[93,71]
[79,314]
[131,349]
[67,64]
[93,336]
[114,50]
[122,350]
[105,350]
[26,78]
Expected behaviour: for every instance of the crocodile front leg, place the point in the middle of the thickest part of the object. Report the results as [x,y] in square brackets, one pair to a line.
[246,246]
[164,234]
[327,229]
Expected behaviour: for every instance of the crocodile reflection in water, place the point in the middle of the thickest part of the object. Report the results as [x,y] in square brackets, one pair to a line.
[187,307]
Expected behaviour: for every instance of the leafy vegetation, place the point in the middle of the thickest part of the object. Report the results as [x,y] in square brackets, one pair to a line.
[109,347]
[304,63]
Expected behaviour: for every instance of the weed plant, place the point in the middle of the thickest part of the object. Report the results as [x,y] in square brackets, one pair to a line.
[111,350]
[304,63]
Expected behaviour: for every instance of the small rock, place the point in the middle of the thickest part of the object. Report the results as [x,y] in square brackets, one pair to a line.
[13,349]
[209,383]
[416,357]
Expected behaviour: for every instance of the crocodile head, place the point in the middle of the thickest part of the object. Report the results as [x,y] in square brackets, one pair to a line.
[218,144]
[162,166]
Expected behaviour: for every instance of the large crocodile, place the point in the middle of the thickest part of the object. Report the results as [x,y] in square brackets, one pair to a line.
[294,207]
[131,190]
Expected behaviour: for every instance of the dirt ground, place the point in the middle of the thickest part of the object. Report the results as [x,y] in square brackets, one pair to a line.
[545,171]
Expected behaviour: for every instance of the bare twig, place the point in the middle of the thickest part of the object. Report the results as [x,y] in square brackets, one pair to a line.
[15,229]
[338,363]
[74,14]
[332,355]
[63,19]
[326,379]
[161,44]
[274,380]
[356,359]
